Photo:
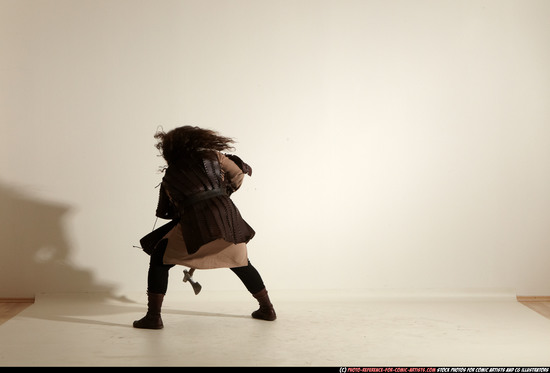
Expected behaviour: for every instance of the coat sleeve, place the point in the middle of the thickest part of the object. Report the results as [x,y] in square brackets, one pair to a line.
[234,170]
[165,208]
[240,163]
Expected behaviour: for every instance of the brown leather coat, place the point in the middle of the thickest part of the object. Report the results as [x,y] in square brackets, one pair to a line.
[210,231]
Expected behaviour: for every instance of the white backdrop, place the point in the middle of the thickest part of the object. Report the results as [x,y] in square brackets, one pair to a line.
[395,144]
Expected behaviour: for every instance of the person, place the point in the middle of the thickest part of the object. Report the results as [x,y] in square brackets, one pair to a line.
[206,230]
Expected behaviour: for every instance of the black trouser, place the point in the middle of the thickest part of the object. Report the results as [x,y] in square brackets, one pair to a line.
[157,277]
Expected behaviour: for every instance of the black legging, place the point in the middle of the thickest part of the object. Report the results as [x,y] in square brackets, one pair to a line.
[157,277]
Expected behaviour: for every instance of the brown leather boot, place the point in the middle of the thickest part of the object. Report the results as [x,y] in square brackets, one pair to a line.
[152,319]
[266,310]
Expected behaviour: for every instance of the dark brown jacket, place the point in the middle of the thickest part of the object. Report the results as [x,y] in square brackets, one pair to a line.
[207,230]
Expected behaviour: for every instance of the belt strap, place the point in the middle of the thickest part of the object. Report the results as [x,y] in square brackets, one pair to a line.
[201,196]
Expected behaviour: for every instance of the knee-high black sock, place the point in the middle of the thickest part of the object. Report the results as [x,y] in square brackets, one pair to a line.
[157,277]
[250,277]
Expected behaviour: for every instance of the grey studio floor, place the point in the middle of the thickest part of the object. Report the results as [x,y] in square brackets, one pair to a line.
[313,329]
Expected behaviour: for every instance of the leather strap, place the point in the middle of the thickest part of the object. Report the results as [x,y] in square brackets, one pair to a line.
[201,196]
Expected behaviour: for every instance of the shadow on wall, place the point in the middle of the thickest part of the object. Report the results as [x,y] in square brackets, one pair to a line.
[35,251]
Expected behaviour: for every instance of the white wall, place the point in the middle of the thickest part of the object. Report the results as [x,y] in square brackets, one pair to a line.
[395,144]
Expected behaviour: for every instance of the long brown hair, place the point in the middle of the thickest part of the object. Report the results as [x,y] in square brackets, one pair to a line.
[188,141]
